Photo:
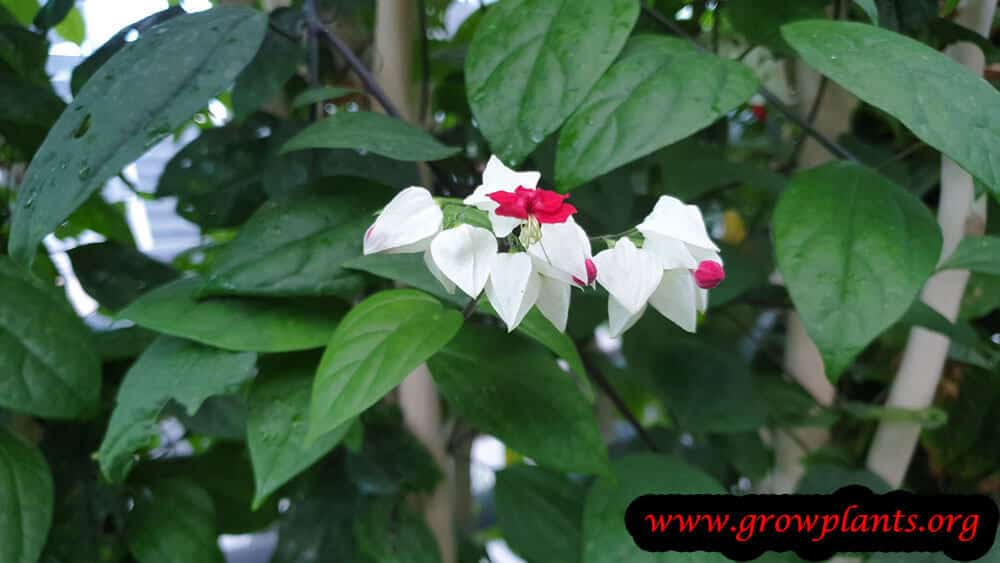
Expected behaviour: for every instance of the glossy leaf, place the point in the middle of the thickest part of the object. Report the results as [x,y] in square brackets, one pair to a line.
[116,275]
[256,325]
[375,347]
[759,21]
[507,387]
[409,269]
[52,12]
[277,424]
[389,531]
[855,266]
[320,94]
[26,498]
[366,131]
[685,88]
[532,62]
[174,522]
[48,365]
[170,368]
[605,538]
[294,248]
[540,513]
[908,80]
[276,61]
[120,113]
[976,254]
[73,28]
[390,459]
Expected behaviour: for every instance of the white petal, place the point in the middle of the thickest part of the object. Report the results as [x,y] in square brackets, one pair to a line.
[620,318]
[478,198]
[499,177]
[701,299]
[553,301]
[701,254]
[564,248]
[629,274]
[671,252]
[406,224]
[513,287]
[671,218]
[676,299]
[465,256]
[503,226]
[429,261]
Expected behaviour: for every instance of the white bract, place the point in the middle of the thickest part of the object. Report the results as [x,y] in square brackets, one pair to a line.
[630,275]
[464,256]
[497,178]
[407,223]
[677,232]
[563,252]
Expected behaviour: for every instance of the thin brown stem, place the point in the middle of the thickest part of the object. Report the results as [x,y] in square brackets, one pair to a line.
[599,378]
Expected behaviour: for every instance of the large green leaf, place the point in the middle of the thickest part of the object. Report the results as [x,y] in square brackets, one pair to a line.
[508,387]
[704,391]
[116,275]
[26,499]
[174,522]
[976,254]
[294,248]
[389,531]
[375,347]
[390,459]
[911,82]
[367,131]
[532,62]
[52,12]
[854,249]
[684,88]
[257,325]
[409,269]
[120,113]
[277,424]
[540,513]
[606,538]
[217,178]
[170,368]
[48,366]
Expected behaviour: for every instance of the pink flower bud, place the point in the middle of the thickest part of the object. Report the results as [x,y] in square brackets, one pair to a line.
[709,274]
[591,274]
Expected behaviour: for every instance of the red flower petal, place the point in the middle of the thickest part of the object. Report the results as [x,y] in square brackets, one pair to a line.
[511,204]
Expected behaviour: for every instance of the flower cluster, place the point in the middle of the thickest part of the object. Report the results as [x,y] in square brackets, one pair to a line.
[535,252]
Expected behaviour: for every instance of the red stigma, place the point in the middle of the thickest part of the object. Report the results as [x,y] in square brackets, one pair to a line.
[709,274]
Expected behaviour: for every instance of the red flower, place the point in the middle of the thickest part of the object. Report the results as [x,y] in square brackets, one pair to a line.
[544,205]
[759,111]
[709,274]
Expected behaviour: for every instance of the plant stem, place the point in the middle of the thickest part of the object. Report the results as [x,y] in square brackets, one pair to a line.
[598,377]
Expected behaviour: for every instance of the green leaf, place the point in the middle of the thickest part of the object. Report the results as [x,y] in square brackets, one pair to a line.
[72,28]
[536,326]
[890,82]
[607,540]
[277,424]
[26,500]
[120,113]
[507,387]
[116,275]
[170,368]
[22,10]
[982,296]
[704,391]
[294,248]
[854,249]
[824,479]
[946,32]
[300,173]
[406,268]
[86,69]
[683,166]
[53,12]
[28,103]
[276,61]
[759,21]
[906,16]
[930,417]
[532,62]
[967,447]
[683,87]
[98,215]
[976,254]
[26,53]
[217,178]
[48,366]
[869,8]
[174,522]
[389,531]
[540,513]
[259,325]
[366,132]
[375,347]
[321,94]
[224,472]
